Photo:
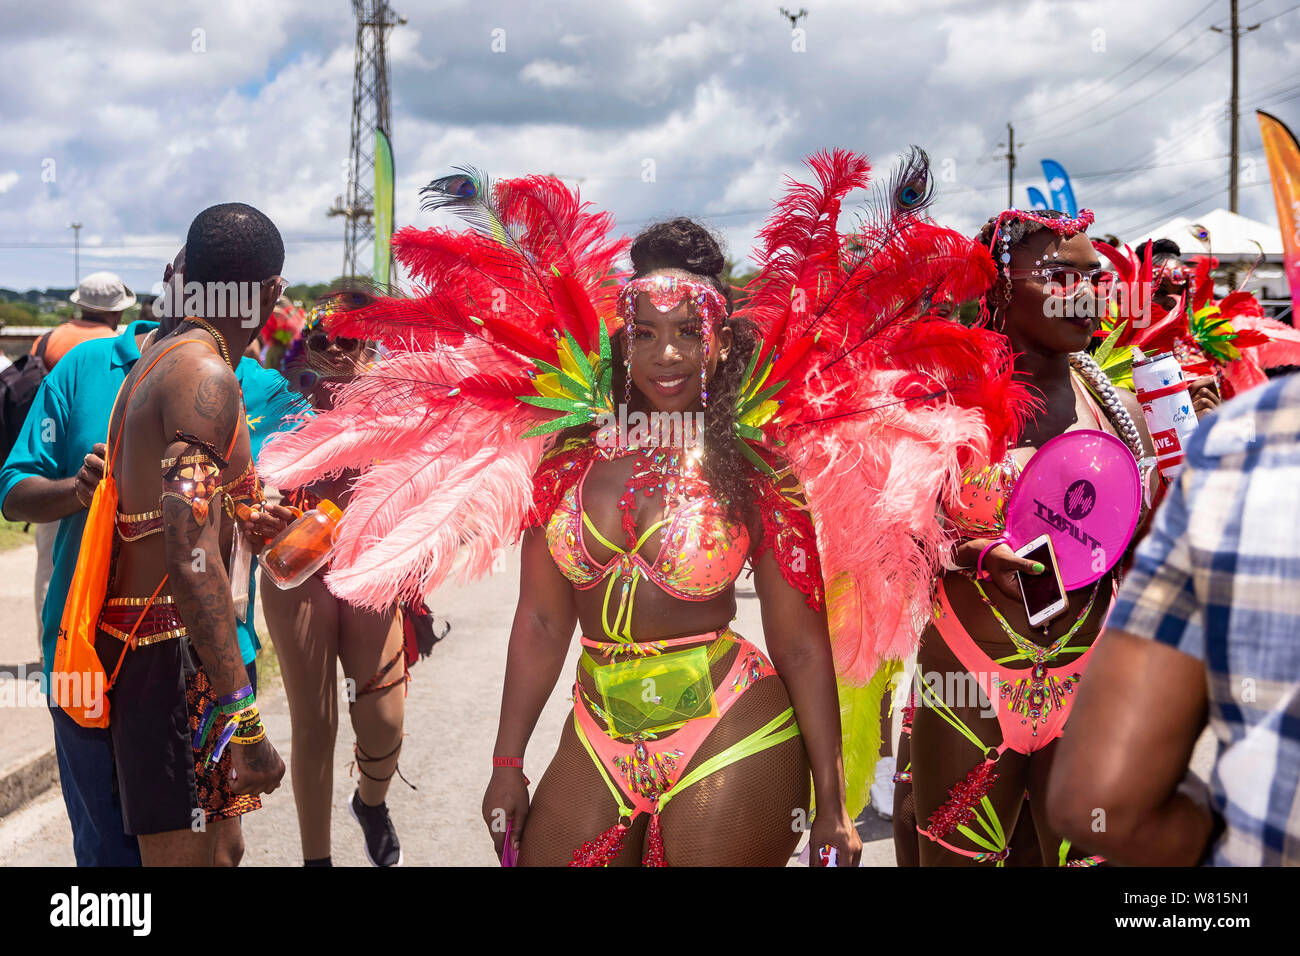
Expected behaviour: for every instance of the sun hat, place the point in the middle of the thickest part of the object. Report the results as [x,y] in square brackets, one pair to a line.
[102,292]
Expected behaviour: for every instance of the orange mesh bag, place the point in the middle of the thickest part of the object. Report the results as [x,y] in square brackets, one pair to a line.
[79,684]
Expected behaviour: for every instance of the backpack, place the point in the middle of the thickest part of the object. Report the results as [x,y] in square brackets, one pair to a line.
[18,385]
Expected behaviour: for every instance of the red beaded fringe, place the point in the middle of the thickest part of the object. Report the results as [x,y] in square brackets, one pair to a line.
[603,850]
[654,854]
[961,799]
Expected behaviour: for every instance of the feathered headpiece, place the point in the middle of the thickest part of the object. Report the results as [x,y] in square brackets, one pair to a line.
[1230,338]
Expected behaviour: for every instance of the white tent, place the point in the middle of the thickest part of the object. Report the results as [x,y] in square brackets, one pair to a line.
[1230,236]
[1232,240]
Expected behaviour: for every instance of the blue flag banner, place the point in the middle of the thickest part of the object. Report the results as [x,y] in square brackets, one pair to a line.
[1037,200]
[1058,183]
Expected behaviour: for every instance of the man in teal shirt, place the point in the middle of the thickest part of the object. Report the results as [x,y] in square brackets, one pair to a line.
[38,482]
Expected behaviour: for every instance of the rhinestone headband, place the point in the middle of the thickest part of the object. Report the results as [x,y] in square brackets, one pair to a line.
[666,292]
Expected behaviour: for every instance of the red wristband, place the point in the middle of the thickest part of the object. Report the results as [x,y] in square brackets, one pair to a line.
[517,762]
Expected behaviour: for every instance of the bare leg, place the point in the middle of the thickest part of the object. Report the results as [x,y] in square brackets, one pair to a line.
[304,625]
[368,641]
[178,848]
[229,848]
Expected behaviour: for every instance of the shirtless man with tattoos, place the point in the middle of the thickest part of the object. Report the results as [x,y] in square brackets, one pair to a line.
[189,746]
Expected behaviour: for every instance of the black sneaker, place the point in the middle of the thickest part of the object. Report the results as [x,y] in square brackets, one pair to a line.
[381,846]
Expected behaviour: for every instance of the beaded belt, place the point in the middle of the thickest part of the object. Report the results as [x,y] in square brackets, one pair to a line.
[161,622]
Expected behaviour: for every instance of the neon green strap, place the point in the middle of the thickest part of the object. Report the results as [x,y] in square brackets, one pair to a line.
[621,629]
[623,809]
[760,740]
[953,720]
[1020,657]
[1062,853]
[586,523]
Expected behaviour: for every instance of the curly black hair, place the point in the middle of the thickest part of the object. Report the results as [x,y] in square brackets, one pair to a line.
[685,244]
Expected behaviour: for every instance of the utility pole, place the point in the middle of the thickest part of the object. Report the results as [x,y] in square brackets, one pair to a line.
[1235,34]
[76,252]
[1011,164]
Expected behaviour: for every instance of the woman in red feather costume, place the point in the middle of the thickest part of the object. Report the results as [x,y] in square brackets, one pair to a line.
[1003,691]
[512,375]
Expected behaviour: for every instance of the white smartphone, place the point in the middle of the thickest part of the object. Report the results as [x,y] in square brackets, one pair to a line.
[1044,594]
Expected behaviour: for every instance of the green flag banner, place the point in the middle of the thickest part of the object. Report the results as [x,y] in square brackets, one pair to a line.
[383,207]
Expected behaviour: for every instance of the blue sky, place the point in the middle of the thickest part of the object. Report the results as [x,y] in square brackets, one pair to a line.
[146,113]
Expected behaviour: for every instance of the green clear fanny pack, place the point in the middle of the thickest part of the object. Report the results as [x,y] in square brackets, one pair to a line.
[654,694]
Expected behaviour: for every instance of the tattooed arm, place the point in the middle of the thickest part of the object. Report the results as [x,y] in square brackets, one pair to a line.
[202,403]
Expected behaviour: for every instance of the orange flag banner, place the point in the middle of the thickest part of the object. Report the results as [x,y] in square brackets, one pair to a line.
[1283,153]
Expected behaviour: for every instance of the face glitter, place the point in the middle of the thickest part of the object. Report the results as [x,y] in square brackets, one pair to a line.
[667,291]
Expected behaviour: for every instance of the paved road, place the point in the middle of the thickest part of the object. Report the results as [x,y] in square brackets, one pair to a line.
[451,720]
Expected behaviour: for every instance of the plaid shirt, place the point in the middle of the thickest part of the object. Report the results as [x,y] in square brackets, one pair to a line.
[1218,579]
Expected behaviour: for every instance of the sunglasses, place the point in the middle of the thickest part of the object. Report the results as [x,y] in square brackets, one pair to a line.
[1065,280]
[1175,277]
[320,341]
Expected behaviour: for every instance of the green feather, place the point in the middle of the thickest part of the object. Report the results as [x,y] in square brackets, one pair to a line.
[558,424]
[606,383]
[1108,346]
[860,730]
[559,404]
[580,357]
[761,397]
[754,459]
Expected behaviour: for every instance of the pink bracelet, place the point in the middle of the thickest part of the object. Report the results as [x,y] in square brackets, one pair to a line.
[980,574]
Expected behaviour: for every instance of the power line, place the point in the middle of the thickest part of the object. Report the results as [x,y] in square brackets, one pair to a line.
[1144,227]
[1282,14]
[1126,90]
[1141,210]
[1110,79]
[1144,99]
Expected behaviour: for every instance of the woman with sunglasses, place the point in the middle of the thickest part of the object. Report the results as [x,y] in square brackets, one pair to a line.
[1170,283]
[1044,300]
[313,631]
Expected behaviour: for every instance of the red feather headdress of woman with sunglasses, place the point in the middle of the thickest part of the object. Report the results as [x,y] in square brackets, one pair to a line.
[852,406]
[1229,338]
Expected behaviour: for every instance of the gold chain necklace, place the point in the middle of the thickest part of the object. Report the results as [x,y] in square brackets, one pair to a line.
[221,341]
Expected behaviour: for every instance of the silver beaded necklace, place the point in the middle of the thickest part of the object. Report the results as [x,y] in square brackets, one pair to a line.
[1087,367]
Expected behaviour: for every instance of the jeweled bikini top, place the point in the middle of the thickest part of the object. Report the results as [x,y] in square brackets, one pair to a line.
[701,553]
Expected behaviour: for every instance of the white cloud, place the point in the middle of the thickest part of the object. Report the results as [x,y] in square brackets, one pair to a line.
[145,132]
[550,75]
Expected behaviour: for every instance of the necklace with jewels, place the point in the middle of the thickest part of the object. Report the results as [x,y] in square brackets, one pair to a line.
[670,473]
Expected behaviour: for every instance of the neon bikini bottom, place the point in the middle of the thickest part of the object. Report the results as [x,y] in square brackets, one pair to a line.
[1040,700]
[647,771]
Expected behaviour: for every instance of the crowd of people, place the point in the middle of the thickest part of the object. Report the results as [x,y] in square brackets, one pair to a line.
[859,427]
